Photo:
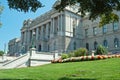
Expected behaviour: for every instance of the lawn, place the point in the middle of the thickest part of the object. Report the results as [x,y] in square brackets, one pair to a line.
[108,69]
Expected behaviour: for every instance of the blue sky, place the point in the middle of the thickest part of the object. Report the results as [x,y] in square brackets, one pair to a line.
[12,20]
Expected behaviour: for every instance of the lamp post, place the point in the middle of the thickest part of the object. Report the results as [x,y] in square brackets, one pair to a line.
[33,38]
[32,48]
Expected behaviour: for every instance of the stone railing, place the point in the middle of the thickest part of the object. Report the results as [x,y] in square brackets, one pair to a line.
[16,62]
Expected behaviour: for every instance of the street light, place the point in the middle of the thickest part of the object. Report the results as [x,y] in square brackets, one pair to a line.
[32,48]
[33,38]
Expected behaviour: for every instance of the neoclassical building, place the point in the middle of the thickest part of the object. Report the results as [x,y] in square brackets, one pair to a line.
[66,31]
[14,46]
[53,31]
[108,35]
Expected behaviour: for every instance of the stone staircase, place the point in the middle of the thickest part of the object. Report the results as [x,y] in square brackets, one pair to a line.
[36,59]
[15,62]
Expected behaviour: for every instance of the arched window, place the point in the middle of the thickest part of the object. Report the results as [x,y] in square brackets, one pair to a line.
[116,42]
[105,43]
[95,45]
[39,48]
[87,46]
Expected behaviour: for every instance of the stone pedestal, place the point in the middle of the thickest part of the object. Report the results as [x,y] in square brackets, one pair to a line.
[32,51]
[93,52]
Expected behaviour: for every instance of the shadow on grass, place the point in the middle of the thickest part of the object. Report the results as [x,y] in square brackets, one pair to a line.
[65,78]
[16,79]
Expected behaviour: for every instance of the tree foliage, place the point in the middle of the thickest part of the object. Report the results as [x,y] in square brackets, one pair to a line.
[101,50]
[1,53]
[96,8]
[25,5]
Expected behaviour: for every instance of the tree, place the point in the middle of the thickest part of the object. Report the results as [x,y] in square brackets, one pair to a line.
[1,53]
[25,5]
[96,8]
[103,9]
[101,50]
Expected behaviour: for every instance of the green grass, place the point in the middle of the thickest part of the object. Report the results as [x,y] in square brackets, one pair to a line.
[108,69]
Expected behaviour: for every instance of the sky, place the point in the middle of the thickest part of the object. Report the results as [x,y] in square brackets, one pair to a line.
[12,21]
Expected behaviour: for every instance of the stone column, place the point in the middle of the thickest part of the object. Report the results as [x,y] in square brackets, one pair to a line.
[37,33]
[47,27]
[28,36]
[41,32]
[25,37]
[61,22]
[58,24]
[53,25]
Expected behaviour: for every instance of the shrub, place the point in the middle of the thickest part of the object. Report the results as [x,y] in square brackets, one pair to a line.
[64,56]
[80,52]
[71,54]
[101,50]
[83,51]
[77,53]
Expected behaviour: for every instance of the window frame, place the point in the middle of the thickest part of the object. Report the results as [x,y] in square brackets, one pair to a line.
[94,31]
[115,26]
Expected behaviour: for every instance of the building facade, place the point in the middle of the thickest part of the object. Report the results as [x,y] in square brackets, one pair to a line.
[66,31]
[14,47]
[108,35]
[54,31]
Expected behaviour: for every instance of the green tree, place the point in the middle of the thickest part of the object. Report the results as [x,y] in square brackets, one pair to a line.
[1,53]
[25,5]
[101,50]
[103,9]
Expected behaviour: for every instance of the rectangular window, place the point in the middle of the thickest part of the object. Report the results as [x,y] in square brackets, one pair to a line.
[115,26]
[104,29]
[86,32]
[94,30]
[73,32]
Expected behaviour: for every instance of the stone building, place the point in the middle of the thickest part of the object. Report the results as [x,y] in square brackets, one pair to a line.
[108,35]
[14,47]
[54,31]
[66,31]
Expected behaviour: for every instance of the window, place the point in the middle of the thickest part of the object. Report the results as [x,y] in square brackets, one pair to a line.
[116,42]
[115,26]
[86,32]
[39,48]
[94,30]
[104,29]
[87,46]
[73,32]
[95,45]
[74,46]
[105,43]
